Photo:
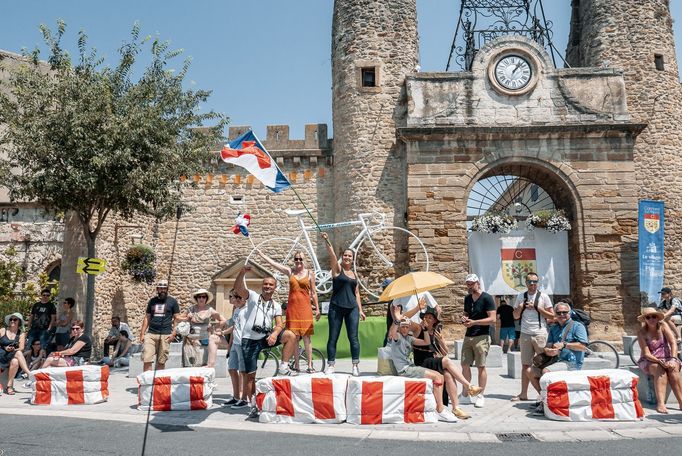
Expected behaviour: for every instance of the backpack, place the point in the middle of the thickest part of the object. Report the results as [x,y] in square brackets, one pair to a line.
[581,316]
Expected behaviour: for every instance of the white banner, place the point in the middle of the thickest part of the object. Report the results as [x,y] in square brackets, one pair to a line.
[502,261]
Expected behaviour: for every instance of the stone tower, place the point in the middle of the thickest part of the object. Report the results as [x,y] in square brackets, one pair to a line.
[637,37]
[374,46]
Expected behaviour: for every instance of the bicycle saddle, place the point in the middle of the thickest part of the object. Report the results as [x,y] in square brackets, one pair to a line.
[293,212]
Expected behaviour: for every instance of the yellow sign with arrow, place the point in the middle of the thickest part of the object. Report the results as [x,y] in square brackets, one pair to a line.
[92,266]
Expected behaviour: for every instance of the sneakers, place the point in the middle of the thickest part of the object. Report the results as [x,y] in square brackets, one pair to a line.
[446,415]
[231,402]
[461,414]
[539,410]
[479,402]
[329,370]
[253,413]
[239,405]
[465,399]
[356,370]
[28,385]
[474,390]
[284,370]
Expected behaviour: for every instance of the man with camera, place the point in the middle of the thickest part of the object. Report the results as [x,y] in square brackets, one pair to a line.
[258,331]
[533,308]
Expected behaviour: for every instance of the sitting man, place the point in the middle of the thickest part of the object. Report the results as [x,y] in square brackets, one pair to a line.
[258,332]
[567,339]
[672,309]
[401,342]
[114,333]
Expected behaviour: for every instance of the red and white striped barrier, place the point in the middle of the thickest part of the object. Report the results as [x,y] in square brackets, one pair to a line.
[315,398]
[188,388]
[607,394]
[390,400]
[70,385]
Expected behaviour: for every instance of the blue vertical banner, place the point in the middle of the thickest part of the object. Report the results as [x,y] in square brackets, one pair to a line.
[651,265]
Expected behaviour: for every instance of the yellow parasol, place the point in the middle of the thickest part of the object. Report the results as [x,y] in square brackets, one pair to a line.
[413,283]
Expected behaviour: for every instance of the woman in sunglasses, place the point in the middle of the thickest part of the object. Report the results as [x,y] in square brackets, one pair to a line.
[659,356]
[200,316]
[12,341]
[77,351]
[299,313]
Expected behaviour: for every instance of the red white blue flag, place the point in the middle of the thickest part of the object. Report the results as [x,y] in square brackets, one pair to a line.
[248,152]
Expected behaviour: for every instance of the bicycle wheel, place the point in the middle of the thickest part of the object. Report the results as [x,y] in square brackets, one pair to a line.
[387,252]
[604,351]
[635,351]
[280,249]
[268,365]
[319,363]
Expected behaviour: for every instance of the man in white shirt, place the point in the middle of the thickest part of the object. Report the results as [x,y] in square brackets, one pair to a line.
[258,331]
[533,308]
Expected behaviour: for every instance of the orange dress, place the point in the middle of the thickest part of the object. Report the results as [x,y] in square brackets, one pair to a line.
[299,310]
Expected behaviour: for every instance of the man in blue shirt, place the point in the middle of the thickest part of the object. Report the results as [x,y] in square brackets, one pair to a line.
[568,339]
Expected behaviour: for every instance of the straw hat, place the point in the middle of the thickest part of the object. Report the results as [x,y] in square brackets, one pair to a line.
[650,311]
[203,291]
[15,314]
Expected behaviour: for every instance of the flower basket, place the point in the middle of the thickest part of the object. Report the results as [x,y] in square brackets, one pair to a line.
[494,222]
[553,221]
[139,263]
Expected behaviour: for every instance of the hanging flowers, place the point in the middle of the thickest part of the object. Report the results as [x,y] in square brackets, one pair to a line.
[139,263]
[494,222]
[551,220]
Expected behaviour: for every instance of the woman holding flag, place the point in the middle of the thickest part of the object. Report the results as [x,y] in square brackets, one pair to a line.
[299,313]
[345,305]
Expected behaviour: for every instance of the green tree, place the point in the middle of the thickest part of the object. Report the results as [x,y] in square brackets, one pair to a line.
[95,140]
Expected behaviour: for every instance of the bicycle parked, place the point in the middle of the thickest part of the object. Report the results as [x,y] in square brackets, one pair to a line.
[604,351]
[378,248]
[268,361]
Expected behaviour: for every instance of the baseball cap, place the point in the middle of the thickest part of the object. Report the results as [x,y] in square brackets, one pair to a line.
[472,278]
[665,290]
[162,284]
[405,322]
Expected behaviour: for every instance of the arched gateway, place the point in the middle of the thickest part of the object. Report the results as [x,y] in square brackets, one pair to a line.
[569,134]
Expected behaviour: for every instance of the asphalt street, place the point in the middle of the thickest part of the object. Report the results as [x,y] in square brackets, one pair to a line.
[34,435]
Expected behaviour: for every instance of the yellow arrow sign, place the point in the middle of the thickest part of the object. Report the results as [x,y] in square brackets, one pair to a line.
[92,266]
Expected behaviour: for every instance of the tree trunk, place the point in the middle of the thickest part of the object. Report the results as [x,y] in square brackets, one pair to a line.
[90,291]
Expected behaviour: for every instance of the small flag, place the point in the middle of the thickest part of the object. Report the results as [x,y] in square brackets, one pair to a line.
[248,152]
[242,223]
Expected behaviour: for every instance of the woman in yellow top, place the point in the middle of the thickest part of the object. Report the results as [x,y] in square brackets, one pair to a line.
[299,313]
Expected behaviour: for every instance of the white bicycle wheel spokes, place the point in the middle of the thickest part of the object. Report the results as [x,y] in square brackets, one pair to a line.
[323,282]
[386,253]
[280,249]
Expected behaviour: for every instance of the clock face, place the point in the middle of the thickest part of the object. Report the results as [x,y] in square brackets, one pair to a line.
[513,72]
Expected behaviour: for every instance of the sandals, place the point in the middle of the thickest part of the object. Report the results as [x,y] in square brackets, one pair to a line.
[519,399]
[311,370]
[10,391]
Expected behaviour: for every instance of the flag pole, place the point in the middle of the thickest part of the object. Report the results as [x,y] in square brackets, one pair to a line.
[305,207]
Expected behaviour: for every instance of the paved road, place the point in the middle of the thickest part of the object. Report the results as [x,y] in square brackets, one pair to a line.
[26,435]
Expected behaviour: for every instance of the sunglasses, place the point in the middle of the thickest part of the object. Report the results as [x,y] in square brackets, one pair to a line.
[298,259]
[235,297]
[562,313]
[45,295]
[651,317]
[531,281]
[13,319]
[202,296]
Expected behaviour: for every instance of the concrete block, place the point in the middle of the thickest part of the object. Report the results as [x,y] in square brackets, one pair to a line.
[645,386]
[457,349]
[514,369]
[627,343]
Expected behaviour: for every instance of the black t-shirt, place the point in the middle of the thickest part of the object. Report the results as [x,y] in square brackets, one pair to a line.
[478,311]
[161,313]
[85,350]
[42,315]
[422,353]
[506,313]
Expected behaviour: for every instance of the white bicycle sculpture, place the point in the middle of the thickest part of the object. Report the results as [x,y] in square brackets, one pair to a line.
[377,247]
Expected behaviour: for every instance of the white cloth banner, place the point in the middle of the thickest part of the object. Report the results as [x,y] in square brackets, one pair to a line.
[502,261]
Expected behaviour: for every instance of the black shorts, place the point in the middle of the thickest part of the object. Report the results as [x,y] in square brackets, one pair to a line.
[251,348]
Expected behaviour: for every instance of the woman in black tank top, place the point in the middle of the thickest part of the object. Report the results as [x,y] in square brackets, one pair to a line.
[344,306]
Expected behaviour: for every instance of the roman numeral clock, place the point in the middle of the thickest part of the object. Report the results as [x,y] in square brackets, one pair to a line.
[513,72]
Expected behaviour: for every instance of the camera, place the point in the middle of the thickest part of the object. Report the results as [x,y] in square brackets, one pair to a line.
[261,329]
[13,345]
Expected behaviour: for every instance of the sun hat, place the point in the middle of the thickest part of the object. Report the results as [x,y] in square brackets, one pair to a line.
[650,311]
[203,291]
[472,278]
[430,311]
[15,314]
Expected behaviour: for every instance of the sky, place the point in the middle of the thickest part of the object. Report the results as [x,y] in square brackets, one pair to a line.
[266,61]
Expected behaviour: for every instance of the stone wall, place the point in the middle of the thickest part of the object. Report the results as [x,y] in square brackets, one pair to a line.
[629,35]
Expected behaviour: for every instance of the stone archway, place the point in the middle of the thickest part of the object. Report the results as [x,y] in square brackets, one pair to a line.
[223,282]
[553,185]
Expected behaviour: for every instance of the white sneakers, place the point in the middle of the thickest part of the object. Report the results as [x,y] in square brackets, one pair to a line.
[479,401]
[329,370]
[446,415]
[356,370]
